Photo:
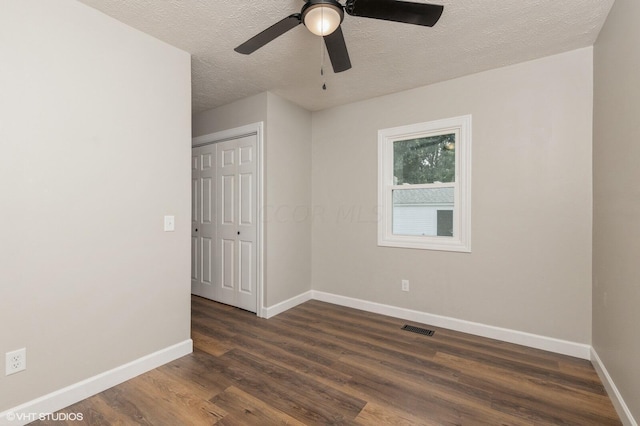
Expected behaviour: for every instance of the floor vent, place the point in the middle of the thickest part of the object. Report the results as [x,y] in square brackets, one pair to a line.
[418,330]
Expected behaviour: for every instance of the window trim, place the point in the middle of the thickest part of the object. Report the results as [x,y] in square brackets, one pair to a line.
[461,241]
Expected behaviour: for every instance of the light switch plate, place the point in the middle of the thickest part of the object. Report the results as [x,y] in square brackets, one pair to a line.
[169,223]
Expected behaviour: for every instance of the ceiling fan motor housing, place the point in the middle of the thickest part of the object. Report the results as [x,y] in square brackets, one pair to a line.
[350,6]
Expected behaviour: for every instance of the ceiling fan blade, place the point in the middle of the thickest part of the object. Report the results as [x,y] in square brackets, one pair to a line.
[395,10]
[337,49]
[270,34]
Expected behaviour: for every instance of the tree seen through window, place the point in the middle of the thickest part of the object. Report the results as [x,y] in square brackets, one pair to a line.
[424,160]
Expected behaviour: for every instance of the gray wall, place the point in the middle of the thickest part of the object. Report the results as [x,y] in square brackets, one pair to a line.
[530,266]
[287,200]
[236,114]
[616,225]
[94,150]
[287,186]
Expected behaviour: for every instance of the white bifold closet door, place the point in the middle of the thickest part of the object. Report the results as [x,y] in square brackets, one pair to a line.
[203,229]
[225,210]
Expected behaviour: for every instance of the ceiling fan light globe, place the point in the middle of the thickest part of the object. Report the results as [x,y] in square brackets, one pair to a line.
[322,20]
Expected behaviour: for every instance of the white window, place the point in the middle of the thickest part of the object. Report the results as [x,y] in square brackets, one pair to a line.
[424,185]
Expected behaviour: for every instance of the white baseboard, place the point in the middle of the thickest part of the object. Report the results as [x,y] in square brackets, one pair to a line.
[551,344]
[616,398]
[279,308]
[69,395]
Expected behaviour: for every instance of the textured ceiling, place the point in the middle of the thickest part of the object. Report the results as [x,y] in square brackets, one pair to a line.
[471,36]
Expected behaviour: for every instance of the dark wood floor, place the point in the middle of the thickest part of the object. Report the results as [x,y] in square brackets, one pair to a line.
[324,364]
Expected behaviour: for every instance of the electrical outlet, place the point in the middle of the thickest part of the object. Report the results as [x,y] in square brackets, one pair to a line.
[15,361]
[405,285]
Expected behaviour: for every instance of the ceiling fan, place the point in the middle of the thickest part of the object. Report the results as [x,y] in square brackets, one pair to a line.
[323,18]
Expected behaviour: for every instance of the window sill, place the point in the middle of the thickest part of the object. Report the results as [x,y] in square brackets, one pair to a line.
[433,243]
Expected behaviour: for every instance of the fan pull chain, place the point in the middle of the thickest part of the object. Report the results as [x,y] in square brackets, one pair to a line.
[324,83]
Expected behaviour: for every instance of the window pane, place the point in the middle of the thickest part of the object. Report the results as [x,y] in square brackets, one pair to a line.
[427,211]
[424,160]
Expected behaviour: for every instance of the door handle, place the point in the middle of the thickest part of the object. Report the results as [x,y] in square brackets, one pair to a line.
[196,229]
[238,232]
